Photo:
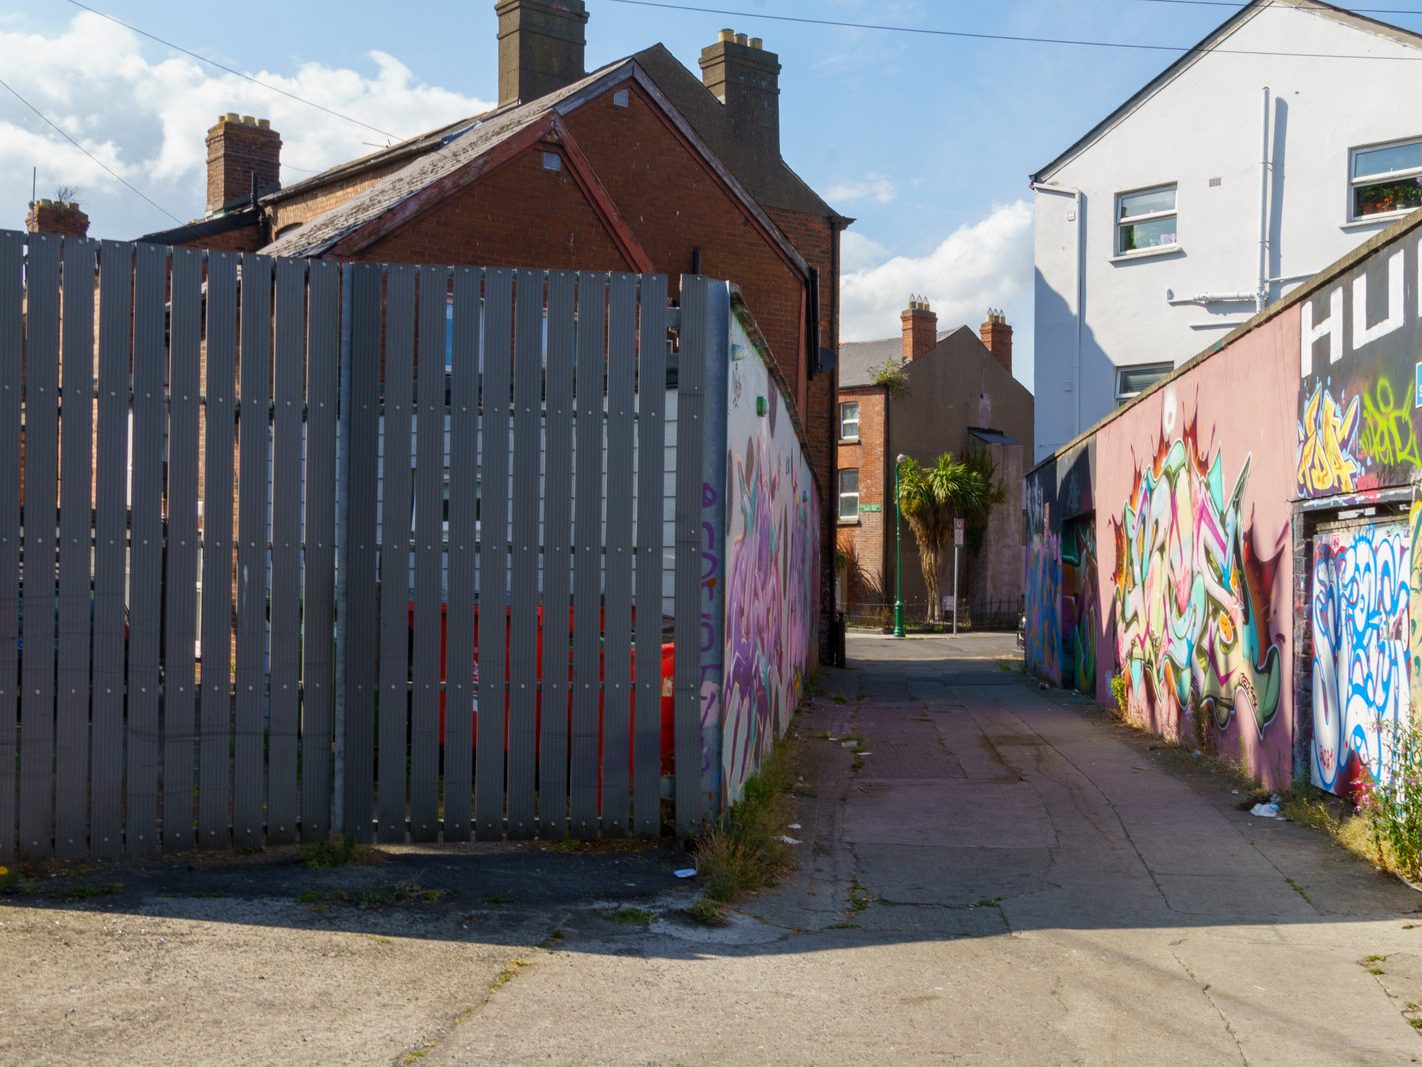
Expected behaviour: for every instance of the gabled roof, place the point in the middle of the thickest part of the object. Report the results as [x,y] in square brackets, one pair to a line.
[858,360]
[465,152]
[1213,40]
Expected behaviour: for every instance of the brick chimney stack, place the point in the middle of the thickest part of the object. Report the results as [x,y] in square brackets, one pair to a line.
[58,218]
[997,337]
[920,326]
[746,79]
[241,151]
[542,45]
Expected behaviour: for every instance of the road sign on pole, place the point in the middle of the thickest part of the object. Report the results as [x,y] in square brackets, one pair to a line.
[957,533]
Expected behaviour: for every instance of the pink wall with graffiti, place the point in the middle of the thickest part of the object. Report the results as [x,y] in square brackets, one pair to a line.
[1195,569]
[772,563]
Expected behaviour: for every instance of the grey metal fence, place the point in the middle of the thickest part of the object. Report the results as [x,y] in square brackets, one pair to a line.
[239,605]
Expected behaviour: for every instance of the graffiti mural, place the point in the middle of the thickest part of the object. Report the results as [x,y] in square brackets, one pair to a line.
[772,567]
[1193,594]
[1388,437]
[1081,613]
[1328,433]
[1414,612]
[1359,612]
[1044,567]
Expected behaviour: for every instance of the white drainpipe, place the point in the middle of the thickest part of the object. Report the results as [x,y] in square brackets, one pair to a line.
[1261,296]
[1075,194]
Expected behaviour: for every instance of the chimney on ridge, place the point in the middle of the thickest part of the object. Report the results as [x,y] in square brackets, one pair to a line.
[746,79]
[541,46]
[920,328]
[58,218]
[997,337]
[243,157]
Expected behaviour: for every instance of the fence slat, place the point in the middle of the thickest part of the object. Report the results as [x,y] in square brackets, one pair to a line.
[525,489]
[71,757]
[179,703]
[587,557]
[463,559]
[364,354]
[429,537]
[651,414]
[215,715]
[691,376]
[40,505]
[493,556]
[395,550]
[12,251]
[317,702]
[149,418]
[110,523]
[617,596]
[288,399]
[557,558]
[253,437]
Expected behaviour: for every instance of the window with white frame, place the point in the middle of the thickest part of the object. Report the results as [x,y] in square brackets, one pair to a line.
[849,494]
[1385,178]
[1145,220]
[849,421]
[1132,381]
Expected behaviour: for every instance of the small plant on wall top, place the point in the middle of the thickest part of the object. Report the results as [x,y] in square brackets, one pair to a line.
[893,376]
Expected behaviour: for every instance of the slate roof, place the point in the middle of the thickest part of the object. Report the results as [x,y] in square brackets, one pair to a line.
[858,360]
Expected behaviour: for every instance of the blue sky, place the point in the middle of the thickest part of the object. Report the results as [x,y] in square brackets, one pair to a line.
[926,140]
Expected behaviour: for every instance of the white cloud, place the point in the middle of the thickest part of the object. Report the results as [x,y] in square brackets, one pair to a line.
[985,264]
[145,113]
[877,188]
[858,252]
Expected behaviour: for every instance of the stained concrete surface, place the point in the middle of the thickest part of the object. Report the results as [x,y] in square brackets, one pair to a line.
[1009,877]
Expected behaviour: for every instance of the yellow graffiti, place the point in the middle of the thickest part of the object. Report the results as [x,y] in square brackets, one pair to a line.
[1388,437]
[1326,462]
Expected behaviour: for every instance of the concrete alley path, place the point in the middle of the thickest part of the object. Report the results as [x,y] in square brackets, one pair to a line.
[1010,877]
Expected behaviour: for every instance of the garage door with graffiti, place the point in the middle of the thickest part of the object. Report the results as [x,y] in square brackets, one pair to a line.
[1359,614]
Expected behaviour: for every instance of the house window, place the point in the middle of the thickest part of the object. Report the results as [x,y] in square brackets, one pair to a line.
[1145,220]
[1132,381]
[1385,178]
[849,421]
[849,494]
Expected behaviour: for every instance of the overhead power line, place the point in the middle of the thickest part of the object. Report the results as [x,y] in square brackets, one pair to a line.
[1018,38]
[236,73]
[111,172]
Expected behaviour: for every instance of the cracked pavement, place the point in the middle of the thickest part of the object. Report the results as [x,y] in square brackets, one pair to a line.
[1043,886]
[1002,875]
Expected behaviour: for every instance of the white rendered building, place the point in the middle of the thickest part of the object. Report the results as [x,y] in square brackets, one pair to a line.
[1288,136]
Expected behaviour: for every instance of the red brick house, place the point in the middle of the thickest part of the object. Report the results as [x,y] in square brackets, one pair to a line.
[638,166]
[957,395]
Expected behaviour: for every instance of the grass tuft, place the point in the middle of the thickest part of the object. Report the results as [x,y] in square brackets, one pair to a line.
[338,852]
[632,916]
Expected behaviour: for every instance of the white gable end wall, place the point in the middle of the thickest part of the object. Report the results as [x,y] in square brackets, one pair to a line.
[1202,131]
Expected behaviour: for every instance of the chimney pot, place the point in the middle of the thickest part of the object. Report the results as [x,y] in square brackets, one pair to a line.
[740,38]
[756,42]
[542,46]
[920,329]
[726,35]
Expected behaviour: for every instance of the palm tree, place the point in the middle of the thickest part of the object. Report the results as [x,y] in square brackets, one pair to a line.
[930,498]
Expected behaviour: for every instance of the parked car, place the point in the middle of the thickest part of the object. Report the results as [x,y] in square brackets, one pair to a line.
[668,664]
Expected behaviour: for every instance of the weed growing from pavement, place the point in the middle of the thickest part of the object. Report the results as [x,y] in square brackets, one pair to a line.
[504,977]
[88,892]
[338,852]
[742,852]
[401,894]
[986,902]
[632,916]
[859,899]
[1298,889]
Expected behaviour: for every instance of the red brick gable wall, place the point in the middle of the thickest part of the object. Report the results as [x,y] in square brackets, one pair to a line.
[518,215]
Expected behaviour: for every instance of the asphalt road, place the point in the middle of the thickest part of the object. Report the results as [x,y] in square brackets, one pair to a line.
[1009,877]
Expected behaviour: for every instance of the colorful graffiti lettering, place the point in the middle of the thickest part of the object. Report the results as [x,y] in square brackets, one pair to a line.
[1080,612]
[1388,437]
[1044,567]
[1414,613]
[772,585]
[1327,437]
[1360,608]
[1193,596]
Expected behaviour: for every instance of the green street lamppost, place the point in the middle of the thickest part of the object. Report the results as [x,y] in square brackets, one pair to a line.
[898,553]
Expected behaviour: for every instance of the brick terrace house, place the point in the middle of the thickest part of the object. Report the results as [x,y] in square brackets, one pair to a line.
[961,398]
[638,166]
